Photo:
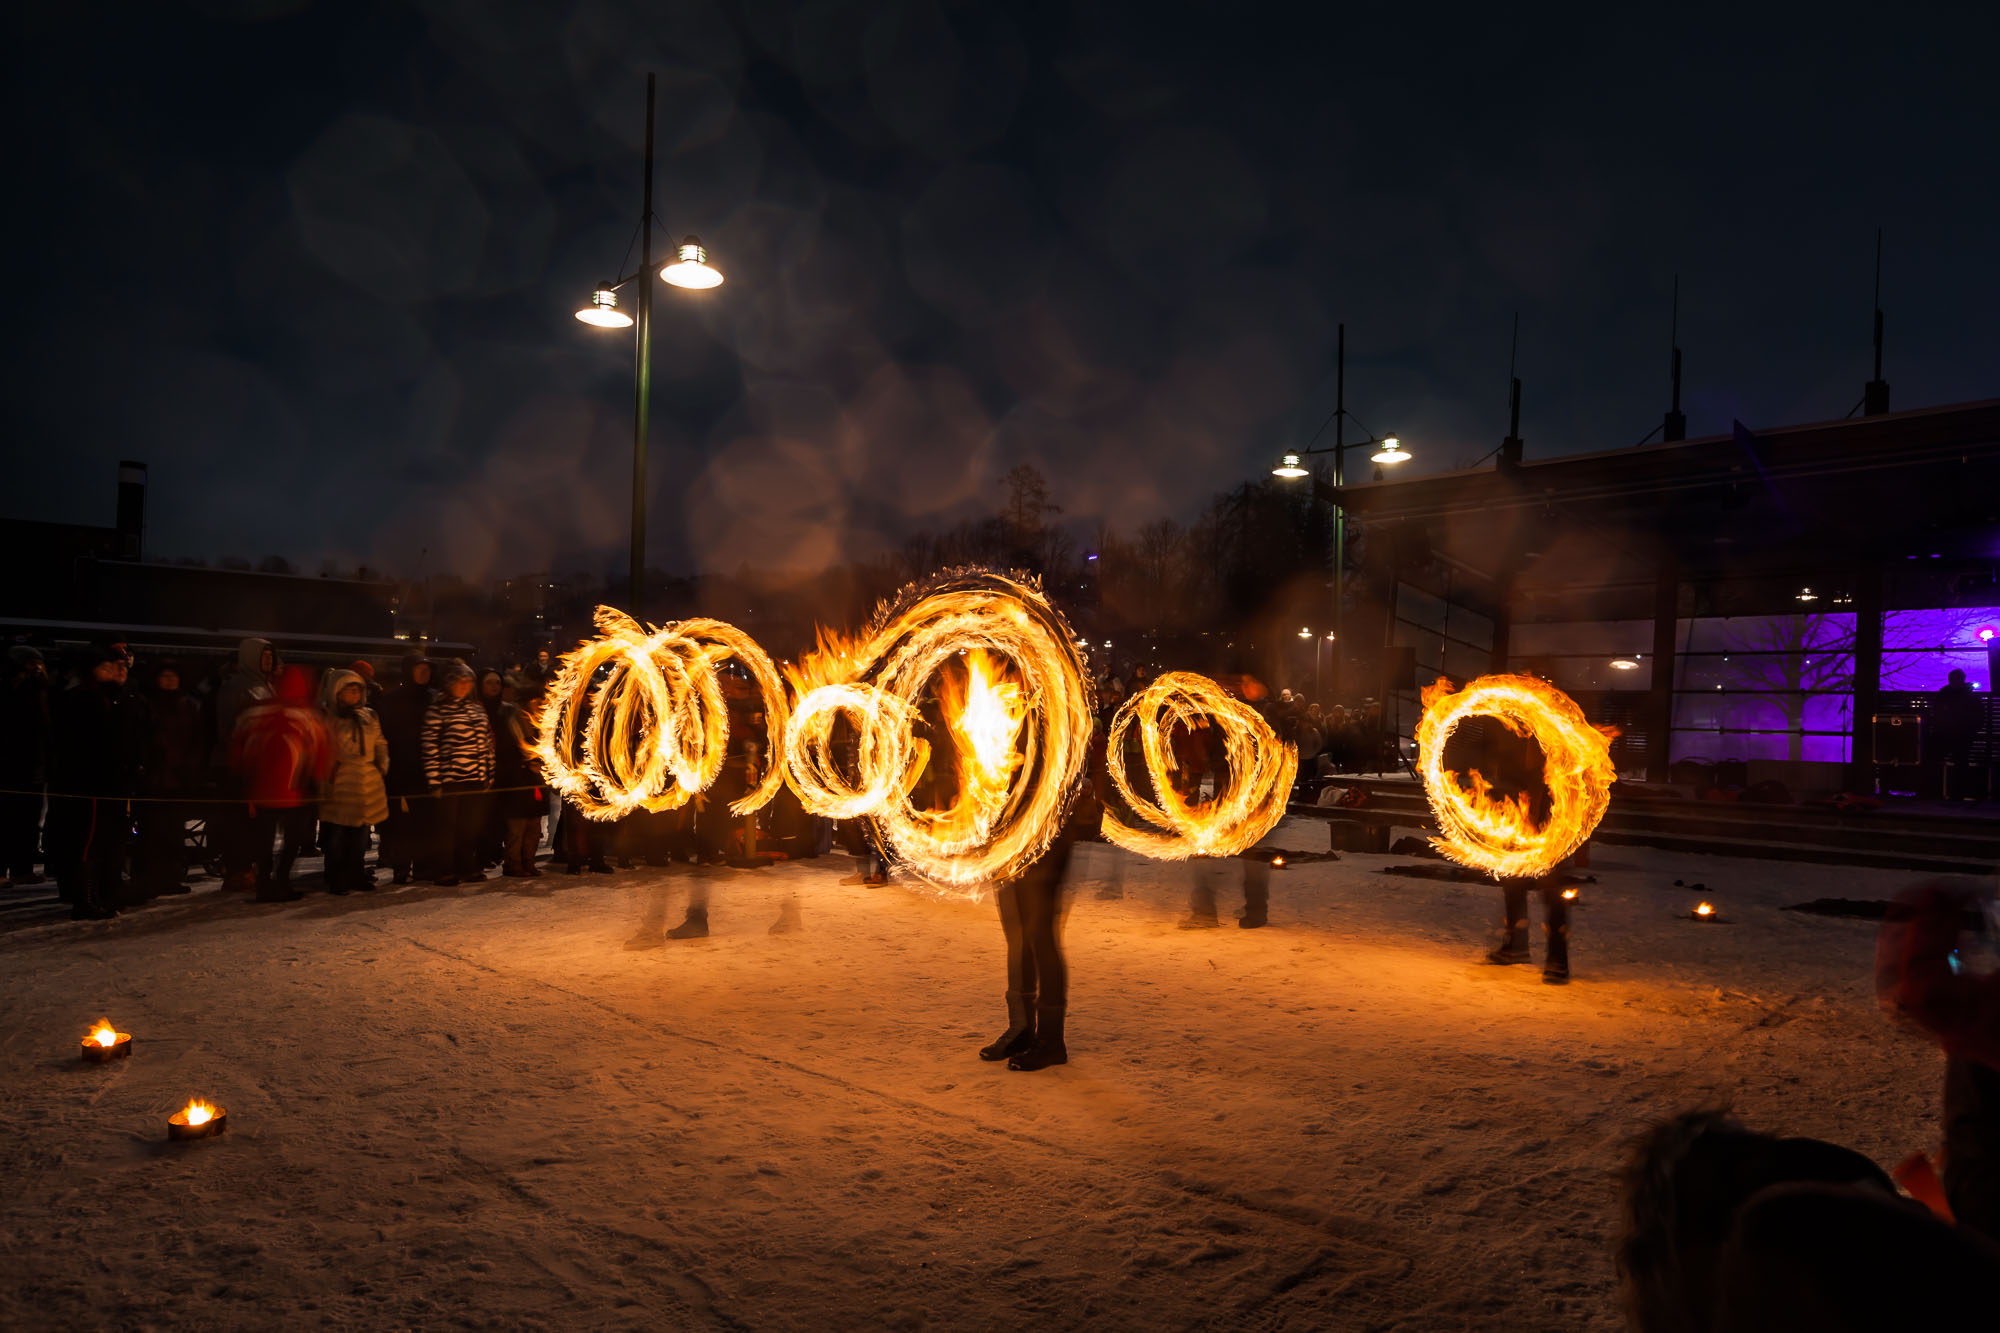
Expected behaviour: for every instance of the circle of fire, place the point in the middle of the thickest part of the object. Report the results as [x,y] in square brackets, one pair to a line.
[1261,770]
[635,718]
[1019,725]
[1496,834]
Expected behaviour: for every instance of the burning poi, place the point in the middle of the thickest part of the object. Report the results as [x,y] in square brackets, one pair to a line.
[654,727]
[1261,770]
[1018,718]
[1497,834]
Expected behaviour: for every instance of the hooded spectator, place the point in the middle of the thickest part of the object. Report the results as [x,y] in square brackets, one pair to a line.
[281,750]
[408,836]
[356,796]
[458,764]
[365,669]
[248,684]
[97,750]
[24,750]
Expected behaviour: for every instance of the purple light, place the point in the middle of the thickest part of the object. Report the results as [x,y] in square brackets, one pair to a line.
[1091,556]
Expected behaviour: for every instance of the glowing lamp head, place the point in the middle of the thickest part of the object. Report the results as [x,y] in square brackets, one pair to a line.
[603,309]
[1987,633]
[1392,451]
[1808,595]
[1624,664]
[104,1034]
[1305,633]
[691,268]
[1289,468]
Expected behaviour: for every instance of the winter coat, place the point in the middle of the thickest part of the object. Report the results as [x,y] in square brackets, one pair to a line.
[458,742]
[519,768]
[24,731]
[1957,712]
[281,748]
[356,794]
[180,743]
[99,735]
[402,711]
[245,687]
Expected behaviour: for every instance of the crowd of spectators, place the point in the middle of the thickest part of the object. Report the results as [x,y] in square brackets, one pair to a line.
[118,778]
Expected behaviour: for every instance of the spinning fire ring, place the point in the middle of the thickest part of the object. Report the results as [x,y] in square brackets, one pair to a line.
[1497,834]
[1261,770]
[635,719]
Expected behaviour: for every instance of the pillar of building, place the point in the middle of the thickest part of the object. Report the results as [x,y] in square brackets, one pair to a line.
[1660,699]
[1868,610]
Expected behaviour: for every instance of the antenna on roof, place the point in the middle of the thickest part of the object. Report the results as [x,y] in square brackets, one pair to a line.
[1510,448]
[1676,425]
[1875,393]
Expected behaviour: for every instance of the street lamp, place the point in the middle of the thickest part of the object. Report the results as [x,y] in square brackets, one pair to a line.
[690,271]
[1388,450]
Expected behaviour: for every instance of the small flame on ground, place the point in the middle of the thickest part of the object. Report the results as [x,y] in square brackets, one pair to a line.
[104,1034]
[198,1112]
[1277,861]
[1569,893]
[1705,909]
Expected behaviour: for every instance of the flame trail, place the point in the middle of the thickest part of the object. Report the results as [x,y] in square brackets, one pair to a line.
[1019,721]
[654,728]
[1261,770]
[1497,834]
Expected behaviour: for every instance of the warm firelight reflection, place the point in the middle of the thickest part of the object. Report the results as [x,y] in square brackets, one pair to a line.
[198,1112]
[104,1034]
[1496,833]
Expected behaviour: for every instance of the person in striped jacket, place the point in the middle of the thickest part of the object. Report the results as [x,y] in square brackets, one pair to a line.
[458,766]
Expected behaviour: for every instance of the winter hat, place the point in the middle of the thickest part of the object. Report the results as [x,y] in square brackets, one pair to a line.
[363,668]
[454,669]
[21,654]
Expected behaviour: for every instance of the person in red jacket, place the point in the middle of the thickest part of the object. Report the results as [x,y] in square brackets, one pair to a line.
[282,752]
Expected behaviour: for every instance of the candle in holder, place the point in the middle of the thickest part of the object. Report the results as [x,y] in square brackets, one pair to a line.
[1277,863]
[104,1042]
[1705,912]
[197,1120]
[1569,894]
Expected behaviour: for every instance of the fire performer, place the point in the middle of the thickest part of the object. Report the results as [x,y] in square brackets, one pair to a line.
[1032,911]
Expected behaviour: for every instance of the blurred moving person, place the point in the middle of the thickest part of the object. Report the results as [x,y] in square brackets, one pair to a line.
[356,796]
[459,759]
[283,753]
[1031,917]
[246,683]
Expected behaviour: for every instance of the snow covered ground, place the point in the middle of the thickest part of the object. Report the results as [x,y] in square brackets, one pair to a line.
[478,1107]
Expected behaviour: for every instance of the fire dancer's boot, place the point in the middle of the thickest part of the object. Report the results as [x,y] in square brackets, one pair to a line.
[1201,904]
[788,917]
[1555,953]
[1048,1048]
[1020,1033]
[1256,895]
[694,928]
[1513,945]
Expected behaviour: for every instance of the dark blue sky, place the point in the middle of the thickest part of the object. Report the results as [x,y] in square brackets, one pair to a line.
[316,263]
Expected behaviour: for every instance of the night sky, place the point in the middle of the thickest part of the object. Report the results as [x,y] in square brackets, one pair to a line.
[316,263]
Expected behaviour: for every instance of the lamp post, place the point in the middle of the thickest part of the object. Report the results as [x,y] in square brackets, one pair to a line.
[690,271]
[1319,643]
[1388,451]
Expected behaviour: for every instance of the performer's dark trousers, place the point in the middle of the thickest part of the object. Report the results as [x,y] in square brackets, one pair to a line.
[1031,918]
[87,838]
[1555,915]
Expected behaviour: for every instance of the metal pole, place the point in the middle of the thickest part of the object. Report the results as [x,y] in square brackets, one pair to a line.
[642,375]
[1339,510]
